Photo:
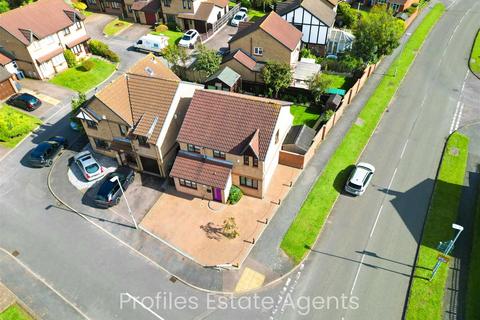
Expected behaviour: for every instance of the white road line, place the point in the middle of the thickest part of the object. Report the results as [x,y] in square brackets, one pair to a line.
[404,148]
[358,272]
[454,120]
[376,220]
[459,116]
[391,180]
[145,307]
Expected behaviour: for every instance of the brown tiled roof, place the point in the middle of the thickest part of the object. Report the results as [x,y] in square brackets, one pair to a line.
[276,27]
[228,121]
[50,55]
[146,6]
[77,41]
[242,57]
[220,3]
[321,9]
[115,97]
[4,59]
[38,19]
[202,13]
[201,170]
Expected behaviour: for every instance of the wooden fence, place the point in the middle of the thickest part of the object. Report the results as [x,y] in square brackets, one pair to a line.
[300,161]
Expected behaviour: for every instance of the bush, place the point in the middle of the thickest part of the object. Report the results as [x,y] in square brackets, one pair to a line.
[246,3]
[306,53]
[173,26]
[87,65]
[99,48]
[326,116]
[235,195]
[415,4]
[112,56]
[411,10]
[70,58]
[80,6]
[76,104]
[161,28]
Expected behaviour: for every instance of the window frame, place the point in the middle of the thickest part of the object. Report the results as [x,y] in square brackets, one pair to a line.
[249,182]
[188,183]
[66,31]
[219,154]
[143,141]
[255,162]
[92,124]
[193,148]
[123,129]
[101,144]
[246,160]
[258,51]
[78,24]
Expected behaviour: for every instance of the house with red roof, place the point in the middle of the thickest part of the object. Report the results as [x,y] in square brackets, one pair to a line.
[36,35]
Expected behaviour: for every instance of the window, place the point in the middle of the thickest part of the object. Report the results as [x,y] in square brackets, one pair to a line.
[115,5]
[187,4]
[50,39]
[192,148]
[123,129]
[78,24]
[91,124]
[248,182]
[77,49]
[188,183]
[167,3]
[255,161]
[246,160]
[219,154]
[219,15]
[277,136]
[66,31]
[101,144]
[129,8]
[91,1]
[143,141]
[395,7]
[58,60]
[36,45]
[258,51]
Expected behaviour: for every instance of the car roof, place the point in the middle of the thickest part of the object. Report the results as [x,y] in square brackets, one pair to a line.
[41,147]
[359,175]
[191,31]
[26,96]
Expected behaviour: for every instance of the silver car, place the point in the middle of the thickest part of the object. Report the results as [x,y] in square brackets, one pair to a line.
[359,179]
[239,17]
[89,167]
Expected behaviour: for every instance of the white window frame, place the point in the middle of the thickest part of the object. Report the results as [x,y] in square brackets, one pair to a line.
[58,60]
[258,51]
[115,5]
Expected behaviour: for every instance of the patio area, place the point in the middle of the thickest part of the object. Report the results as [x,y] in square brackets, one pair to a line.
[193,226]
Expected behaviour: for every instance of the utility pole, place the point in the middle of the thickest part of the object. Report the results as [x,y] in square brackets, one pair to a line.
[115,178]
[447,250]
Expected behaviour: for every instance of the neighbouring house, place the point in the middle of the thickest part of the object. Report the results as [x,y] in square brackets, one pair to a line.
[224,79]
[245,65]
[394,5]
[299,139]
[339,41]
[113,7]
[229,139]
[145,12]
[313,18]
[137,117]
[8,62]
[37,34]
[7,84]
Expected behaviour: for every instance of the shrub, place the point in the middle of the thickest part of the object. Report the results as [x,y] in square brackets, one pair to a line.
[80,6]
[101,49]
[112,56]
[411,10]
[326,116]
[161,28]
[76,104]
[70,58]
[87,65]
[415,4]
[173,26]
[229,229]
[235,195]
[246,3]
[306,53]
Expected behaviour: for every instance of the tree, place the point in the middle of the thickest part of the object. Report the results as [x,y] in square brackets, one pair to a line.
[4,6]
[177,58]
[376,35]
[70,58]
[318,85]
[76,104]
[229,229]
[349,15]
[277,76]
[207,60]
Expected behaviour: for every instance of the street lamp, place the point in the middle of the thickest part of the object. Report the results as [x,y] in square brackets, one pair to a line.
[447,250]
[115,178]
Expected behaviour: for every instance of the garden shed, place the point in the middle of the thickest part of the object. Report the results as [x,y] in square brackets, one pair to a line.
[299,139]
[224,79]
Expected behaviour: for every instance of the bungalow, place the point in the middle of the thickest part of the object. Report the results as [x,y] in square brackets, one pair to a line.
[136,118]
[229,139]
[37,34]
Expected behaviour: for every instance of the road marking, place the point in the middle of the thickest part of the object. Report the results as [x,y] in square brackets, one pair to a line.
[455,115]
[358,272]
[376,220]
[459,116]
[145,307]
[391,180]
[404,148]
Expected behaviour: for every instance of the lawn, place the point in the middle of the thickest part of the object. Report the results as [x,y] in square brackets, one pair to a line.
[15,312]
[15,125]
[426,298]
[473,290]
[254,15]
[173,36]
[341,81]
[116,26]
[305,115]
[80,80]
[310,219]
[475,56]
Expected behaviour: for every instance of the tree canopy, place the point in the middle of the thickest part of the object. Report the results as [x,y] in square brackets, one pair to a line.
[348,15]
[207,60]
[277,76]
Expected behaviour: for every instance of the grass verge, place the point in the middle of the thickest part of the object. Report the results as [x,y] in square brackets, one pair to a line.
[115,26]
[15,125]
[80,80]
[426,297]
[475,56]
[310,219]
[15,312]
[305,115]
[473,290]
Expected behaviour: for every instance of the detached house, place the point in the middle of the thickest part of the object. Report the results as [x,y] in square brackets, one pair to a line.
[229,139]
[136,118]
[394,5]
[36,35]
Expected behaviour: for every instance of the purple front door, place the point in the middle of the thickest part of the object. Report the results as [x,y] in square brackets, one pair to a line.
[217,194]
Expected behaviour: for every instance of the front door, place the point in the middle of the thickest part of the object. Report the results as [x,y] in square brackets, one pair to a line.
[217,194]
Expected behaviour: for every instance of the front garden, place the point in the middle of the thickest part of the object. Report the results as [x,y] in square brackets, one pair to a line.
[116,26]
[15,312]
[15,125]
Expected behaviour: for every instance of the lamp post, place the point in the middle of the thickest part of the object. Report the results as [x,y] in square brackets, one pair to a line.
[115,178]
[447,250]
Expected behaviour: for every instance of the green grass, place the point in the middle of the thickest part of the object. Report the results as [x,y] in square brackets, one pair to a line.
[173,36]
[341,81]
[475,56]
[79,80]
[426,297]
[15,125]
[473,290]
[310,219]
[254,15]
[15,312]
[305,115]
[115,26]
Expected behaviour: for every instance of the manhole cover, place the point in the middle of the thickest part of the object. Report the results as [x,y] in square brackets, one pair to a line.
[15,253]
[454,151]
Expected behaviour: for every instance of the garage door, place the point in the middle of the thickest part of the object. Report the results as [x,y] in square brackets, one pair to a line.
[6,89]
[150,17]
[150,165]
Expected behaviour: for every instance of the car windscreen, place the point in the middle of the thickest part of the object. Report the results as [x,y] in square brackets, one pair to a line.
[354,185]
[238,17]
[105,189]
[92,168]
[186,37]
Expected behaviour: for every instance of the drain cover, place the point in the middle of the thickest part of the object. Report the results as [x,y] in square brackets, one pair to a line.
[173,279]
[15,253]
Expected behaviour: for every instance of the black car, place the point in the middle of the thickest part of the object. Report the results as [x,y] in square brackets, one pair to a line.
[109,193]
[24,101]
[45,152]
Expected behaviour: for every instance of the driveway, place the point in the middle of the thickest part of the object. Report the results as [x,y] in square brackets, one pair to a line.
[220,39]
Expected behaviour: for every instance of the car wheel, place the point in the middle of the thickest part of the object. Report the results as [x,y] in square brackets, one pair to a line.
[130,181]
[49,163]
[116,201]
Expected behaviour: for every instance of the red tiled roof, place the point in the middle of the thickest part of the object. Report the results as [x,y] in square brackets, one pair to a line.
[39,19]
[4,59]
[50,55]
[201,170]
[77,41]
[243,58]
[228,121]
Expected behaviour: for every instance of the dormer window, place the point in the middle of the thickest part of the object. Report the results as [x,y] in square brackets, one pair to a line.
[143,141]
[78,24]
[66,31]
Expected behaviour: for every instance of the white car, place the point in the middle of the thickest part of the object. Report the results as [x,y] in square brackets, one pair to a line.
[359,179]
[89,167]
[189,39]
[243,9]
[239,17]
[151,43]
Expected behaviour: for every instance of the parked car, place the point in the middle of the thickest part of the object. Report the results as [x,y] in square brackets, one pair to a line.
[24,101]
[360,178]
[89,167]
[151,43]
[45,152]
[189,39]
[109,193]
[239,17]
[223,51]
[243,9]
